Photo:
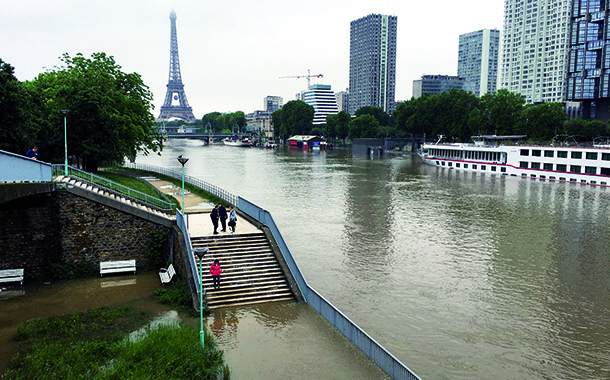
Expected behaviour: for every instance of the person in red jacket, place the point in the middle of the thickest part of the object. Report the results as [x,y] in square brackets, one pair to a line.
[215,271]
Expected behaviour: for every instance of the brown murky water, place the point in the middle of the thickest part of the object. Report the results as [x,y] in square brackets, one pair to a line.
[270,341]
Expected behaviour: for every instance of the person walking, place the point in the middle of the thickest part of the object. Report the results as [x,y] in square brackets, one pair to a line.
[222,213]
[214,216]
[32,153]
[215,271]
[232,219]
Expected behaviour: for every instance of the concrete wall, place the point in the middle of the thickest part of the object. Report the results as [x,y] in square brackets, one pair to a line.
[60,230]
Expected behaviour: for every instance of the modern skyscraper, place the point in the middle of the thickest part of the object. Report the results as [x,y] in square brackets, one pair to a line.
[534,49]
[372,62]
[175,104]
[589,59]
[478,60]
[342,100]
[323,101]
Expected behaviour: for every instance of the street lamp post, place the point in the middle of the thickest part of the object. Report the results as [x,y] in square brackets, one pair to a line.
[65,112]
[200,252]
[182,161]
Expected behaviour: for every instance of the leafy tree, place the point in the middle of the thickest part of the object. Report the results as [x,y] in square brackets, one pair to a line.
[343,120]
[276,122]
[109,118]
[238,118]
[502,112]
[18,111]
[210,118]
[296,118]
[378,113]
[331,126]
[363,126]
[543,121]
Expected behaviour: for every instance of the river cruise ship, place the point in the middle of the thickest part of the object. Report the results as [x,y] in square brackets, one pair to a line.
[504,155]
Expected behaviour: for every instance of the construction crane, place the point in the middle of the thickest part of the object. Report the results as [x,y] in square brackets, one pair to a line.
[308,76]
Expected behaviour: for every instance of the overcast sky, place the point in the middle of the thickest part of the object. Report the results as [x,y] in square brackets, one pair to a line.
[232,52]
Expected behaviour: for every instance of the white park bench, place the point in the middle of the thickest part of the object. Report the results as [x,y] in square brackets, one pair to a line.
[11,275]
[166,275]
[117,266]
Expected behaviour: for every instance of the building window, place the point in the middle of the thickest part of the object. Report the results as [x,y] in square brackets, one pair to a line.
[457,165]
[549,153]
[575,168]
[548,166]
[536,152]
[562,154]
[465,166]
[525,152]
[561,168]
[503,169]
[606,156]
[535,165]
[590,170]
[483,167]
[591,155]
[523,164]
[474,166]
[493,168]
[449,164]
[604,171]
[577,155]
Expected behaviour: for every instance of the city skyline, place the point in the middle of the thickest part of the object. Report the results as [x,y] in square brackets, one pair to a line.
[232,54]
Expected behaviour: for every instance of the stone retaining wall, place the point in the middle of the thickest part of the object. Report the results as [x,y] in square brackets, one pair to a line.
[62,231]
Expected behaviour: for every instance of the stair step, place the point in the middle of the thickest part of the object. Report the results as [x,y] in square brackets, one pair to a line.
[251,302]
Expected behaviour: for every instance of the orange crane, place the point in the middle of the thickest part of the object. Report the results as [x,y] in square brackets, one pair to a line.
[308,76]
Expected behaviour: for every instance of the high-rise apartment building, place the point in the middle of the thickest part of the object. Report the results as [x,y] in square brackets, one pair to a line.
[478,60]
[273,103]
[323,101]
[534,49]
[372,62]
[589,59]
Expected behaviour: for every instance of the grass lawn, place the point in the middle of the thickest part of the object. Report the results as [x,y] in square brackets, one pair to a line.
[95,345]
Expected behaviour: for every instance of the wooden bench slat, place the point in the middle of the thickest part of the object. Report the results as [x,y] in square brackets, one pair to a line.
[12,275]
[117,266]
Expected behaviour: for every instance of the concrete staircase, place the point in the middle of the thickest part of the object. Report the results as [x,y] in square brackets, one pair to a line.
[251,272]
[122,198]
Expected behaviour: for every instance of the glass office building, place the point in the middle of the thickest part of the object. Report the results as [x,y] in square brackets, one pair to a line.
[372,62]
[535,49]
[478,60]
[589,59]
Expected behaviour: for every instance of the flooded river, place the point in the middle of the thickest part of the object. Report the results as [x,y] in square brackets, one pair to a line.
[460,276]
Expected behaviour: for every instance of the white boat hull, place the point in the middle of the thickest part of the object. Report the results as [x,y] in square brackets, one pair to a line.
[583,165]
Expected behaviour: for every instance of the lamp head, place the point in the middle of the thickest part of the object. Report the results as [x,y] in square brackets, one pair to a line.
[182,160]
[200,252]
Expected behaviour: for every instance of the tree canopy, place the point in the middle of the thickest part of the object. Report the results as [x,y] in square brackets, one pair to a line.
[294,118]
[109,114]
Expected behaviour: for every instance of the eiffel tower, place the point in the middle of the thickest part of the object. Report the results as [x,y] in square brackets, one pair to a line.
[175,88]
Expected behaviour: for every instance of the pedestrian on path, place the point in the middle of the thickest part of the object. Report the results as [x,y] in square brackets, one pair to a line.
[215,271]
[222,213]
[232,219]
[32,153]
[214,216]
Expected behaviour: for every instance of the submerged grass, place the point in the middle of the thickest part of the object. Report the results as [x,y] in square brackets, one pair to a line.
[95,345]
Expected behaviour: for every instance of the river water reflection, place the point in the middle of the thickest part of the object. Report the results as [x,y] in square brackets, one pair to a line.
[460,276]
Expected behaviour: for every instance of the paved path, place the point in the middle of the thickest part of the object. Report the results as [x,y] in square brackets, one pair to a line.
[197,210]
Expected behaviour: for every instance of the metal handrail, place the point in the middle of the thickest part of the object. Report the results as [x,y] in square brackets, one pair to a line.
[59,170]
[206,186]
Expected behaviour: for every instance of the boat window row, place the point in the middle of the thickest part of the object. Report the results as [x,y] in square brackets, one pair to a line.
[464,165]
[564,154]
[565,168]
[473,155]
